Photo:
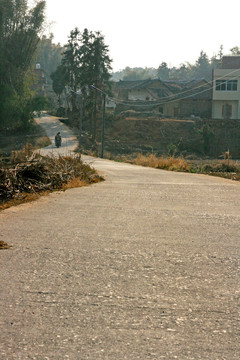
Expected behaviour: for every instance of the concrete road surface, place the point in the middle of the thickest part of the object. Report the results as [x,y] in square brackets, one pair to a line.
[141,266]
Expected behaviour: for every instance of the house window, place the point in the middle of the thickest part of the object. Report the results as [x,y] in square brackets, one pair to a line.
[226,85]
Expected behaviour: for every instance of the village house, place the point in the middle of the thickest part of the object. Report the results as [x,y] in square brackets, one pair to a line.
[170,98]
[189,98]
[142,90]
[226,89]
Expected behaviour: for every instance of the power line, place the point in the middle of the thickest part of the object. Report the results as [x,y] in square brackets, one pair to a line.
[133,102]
[197,87]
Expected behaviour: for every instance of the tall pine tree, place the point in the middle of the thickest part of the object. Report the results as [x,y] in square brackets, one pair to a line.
[86,62]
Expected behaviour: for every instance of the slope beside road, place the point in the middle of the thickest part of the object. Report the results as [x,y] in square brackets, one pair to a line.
[141,266]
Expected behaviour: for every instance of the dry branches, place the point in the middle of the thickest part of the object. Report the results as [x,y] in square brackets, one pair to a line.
[43,174]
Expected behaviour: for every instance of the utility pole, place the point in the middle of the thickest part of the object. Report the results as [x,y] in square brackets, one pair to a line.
[103,122]
[80,121]
[103,118]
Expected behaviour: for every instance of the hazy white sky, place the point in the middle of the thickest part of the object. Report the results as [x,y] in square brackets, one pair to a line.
[146,32]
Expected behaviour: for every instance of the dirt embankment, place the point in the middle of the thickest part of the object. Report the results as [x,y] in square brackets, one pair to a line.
[202,137]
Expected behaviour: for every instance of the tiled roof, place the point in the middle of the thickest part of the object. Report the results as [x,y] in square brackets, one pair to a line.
[135,84]
[190,88]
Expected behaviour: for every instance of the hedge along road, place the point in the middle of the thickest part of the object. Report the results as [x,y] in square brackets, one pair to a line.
[141,266]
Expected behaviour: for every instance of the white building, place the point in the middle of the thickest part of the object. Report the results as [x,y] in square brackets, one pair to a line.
[226,89]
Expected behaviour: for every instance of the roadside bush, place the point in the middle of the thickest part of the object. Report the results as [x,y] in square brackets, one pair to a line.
[222,167]
[174,164]
[207,168]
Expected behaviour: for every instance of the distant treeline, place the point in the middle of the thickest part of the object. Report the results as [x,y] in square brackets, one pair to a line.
[202,68]
[50,55]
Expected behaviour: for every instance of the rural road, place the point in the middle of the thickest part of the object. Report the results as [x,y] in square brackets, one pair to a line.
[141,266]
[52,126]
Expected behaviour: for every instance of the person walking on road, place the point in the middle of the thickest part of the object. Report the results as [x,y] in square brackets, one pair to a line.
[58,140]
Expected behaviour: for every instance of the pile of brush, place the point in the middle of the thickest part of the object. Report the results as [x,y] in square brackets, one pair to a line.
[43,173]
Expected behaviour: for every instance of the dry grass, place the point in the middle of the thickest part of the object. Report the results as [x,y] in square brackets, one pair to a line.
[22,155]
[74,183]
[41,142]
[167,163]
[27,151]
[25,198]
[15,141]
[223,168]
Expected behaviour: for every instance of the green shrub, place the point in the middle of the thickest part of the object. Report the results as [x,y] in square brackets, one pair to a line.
[224,167]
